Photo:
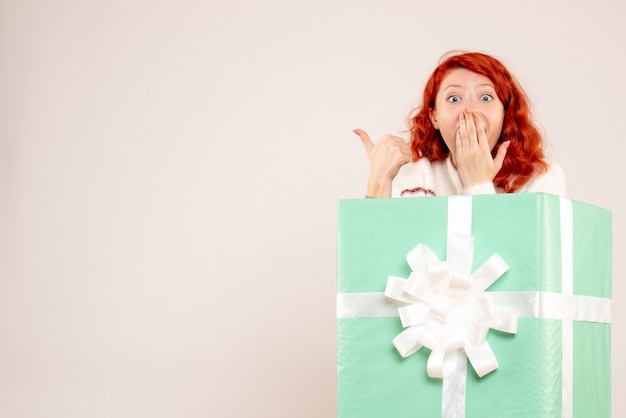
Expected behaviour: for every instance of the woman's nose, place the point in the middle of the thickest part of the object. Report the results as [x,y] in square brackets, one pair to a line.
[469,108]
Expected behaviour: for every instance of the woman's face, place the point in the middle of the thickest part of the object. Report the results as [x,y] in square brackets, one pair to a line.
[462,90]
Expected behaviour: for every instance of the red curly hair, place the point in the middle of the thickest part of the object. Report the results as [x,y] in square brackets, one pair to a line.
[524,156]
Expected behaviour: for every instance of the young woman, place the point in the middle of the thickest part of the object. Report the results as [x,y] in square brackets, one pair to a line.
[473,134]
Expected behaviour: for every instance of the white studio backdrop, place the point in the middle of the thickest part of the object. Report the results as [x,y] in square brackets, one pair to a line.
[169,173]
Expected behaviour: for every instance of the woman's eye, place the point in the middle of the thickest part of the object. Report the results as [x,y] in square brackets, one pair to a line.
[454,99]
[486,98]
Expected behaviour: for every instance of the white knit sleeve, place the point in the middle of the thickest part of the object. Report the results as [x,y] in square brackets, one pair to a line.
[480,188]
[552,181]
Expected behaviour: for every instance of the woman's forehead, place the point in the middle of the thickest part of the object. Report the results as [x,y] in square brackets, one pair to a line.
[462,77]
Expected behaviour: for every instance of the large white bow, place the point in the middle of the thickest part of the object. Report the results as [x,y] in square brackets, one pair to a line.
[446,308]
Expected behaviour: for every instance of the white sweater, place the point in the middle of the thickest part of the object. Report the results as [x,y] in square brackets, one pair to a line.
[440,178]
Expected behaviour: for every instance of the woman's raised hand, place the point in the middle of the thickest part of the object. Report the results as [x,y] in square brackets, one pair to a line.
[472,155]
[386,157]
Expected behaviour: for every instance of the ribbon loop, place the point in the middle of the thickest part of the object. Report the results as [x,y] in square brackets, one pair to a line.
[395,290]
[441,363]
[505,320]
[414,314]
[420,257]
[488,273]
[459,284]
[481,357]
[407,341]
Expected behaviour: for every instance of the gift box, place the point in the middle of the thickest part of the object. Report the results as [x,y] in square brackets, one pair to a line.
[553,262]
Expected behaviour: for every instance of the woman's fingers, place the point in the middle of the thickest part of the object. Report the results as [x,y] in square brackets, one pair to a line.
[393,150]
[365,138]
[473,158]
[461,135]
[401,147]
[499,159]
[470,123]
[386,157]
[472,134]
[387,145]
[481,131]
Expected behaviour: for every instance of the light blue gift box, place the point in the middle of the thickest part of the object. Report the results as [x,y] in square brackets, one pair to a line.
[526,230]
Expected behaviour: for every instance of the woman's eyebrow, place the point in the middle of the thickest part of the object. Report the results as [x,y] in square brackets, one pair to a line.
[451,86]
[460,86]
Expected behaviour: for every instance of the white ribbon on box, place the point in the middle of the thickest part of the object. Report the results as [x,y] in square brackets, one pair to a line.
[447,310]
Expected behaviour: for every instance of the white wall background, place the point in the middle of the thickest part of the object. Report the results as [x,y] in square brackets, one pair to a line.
[169,172]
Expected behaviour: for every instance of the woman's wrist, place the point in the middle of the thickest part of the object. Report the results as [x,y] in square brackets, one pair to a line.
[378,189]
